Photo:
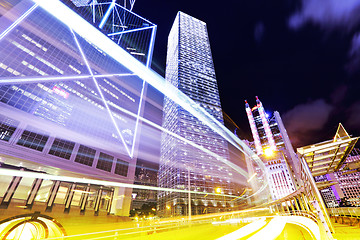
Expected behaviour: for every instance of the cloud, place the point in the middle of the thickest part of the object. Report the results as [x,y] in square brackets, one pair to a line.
[328,14]
[354,54]
[259,31]
[353,119]
[305,119]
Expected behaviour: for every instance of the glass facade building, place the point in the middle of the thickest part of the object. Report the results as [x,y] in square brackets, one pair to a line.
[67,107]
[190,68]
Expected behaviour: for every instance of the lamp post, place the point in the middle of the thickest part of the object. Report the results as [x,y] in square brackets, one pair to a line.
[189,195]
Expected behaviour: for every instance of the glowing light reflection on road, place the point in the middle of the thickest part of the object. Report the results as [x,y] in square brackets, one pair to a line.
[273,229]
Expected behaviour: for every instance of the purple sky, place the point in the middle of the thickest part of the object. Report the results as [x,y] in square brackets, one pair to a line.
[301,57]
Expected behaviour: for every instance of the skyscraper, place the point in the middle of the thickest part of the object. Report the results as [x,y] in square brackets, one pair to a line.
[62,104]
[190,68]
[273,145]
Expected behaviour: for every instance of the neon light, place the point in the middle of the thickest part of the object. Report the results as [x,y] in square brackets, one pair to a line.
[128,31]
[151,47]
[61,92]
[106,16]
[137,118]
[101,94]
[14,24]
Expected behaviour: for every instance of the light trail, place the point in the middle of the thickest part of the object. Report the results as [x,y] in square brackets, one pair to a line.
[274,228]
[101,94]
[19,20]
[246,230]
[22,80]
[17,173]
[87,31]
[271,231]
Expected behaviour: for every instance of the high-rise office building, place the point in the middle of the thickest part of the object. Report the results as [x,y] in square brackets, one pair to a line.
[273,145]
[62,111]
[190,68]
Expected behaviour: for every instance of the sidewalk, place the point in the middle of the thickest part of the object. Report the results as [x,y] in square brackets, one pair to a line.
[346,232]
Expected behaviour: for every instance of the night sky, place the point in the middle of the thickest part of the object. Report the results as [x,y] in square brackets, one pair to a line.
[301,57]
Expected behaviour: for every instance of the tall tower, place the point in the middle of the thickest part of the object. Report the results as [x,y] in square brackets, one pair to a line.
[273,145]
[182,166]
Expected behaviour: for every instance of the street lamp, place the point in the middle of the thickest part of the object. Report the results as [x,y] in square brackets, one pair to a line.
[269,152]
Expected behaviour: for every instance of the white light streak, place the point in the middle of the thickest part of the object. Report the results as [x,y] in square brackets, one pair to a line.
[251,177]
[101,94]
[106,16]
[17,173]
[22,80]
[90,33]
[19,20]
[244,231]
[128,31]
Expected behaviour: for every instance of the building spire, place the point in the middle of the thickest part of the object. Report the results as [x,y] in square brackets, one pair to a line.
[254,131]
[265,123]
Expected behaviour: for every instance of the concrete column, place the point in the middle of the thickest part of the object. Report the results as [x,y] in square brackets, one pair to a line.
[34,190]
[97,201]
[53,191]
[10,192]
[69,197]
[84,199]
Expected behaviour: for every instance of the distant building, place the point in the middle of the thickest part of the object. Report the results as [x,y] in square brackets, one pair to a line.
[330,195]
[190,68]
[273,145]
[145,174]
[349,181]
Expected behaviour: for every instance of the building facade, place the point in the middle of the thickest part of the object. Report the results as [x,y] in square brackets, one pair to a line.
[273,145]
[184,164]
[349,180]
[67,110]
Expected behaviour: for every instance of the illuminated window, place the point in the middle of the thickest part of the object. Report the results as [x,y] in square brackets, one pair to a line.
[62,148]
[121,167]
[31,139]
[7,128]
[85,155]
[105,162]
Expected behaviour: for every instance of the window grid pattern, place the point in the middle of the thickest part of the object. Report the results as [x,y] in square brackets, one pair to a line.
[105,162]
[85,155]
[62,148]
[7,127]
[121,168]
[33,138]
